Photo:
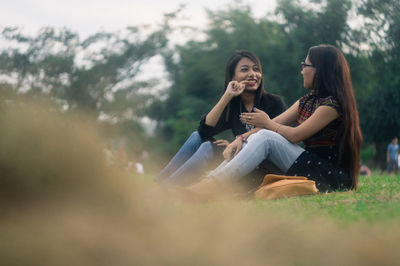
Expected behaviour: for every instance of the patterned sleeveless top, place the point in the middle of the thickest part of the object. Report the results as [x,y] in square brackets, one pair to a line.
[307,106]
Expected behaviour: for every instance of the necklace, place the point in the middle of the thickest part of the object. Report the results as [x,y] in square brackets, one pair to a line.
[247,126]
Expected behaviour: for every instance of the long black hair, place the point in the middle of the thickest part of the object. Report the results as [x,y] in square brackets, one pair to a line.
[332,78]
[230,72]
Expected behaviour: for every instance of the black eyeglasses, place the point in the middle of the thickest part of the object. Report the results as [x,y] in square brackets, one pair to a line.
[303,65]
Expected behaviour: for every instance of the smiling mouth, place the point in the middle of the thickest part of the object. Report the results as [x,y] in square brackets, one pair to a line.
[252,82]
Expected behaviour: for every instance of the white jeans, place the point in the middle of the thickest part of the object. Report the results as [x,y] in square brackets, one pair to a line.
[264,144]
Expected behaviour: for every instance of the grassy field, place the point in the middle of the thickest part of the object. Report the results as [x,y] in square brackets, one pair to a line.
[377,200]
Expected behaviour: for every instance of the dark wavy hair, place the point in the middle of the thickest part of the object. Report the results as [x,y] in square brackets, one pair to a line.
[230,72]
[332,78]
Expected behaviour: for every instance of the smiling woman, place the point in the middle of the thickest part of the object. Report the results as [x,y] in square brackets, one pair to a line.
[244,90]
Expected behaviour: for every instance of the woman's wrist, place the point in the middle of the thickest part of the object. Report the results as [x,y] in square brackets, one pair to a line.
[244,139]
[278,127]
[227,96]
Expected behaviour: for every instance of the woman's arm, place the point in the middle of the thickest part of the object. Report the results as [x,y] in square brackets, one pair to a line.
[261,119]
[234,89]
[289,116]
[233,148]
[322,116]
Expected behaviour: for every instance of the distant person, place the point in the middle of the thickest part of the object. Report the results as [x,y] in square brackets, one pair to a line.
[139,168]
[392,156]
[135,167]
[243,91]
[364,170]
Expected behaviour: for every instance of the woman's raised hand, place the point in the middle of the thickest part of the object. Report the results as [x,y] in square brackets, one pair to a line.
[257,119]
[235,88]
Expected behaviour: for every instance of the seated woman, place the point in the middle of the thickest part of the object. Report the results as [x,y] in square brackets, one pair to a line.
[244,90]
[327,122]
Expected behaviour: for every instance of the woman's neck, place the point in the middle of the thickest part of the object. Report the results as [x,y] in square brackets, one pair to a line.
[248,100]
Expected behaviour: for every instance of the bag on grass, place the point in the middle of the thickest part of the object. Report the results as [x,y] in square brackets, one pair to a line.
[280,186]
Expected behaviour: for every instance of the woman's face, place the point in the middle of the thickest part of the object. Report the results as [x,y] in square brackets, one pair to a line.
[308,72]
[248,71]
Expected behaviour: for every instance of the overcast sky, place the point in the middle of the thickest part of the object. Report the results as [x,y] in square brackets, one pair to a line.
[89,16]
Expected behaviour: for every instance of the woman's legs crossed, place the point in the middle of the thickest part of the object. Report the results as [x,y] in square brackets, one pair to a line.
[262,145]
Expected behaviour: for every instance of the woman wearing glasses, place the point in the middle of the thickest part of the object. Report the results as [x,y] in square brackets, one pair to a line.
[244,90]
[326,120]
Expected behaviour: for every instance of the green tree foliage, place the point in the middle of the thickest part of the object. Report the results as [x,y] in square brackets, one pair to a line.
[382,121]
[281,41]
[380,111]
[96,75]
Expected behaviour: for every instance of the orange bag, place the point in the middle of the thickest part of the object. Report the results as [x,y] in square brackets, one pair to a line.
[280,186]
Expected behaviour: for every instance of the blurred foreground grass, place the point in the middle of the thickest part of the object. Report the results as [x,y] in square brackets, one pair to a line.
[61,205]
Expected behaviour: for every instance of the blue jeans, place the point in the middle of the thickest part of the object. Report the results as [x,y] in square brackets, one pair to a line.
[393,166]
[187,166]
[263,145]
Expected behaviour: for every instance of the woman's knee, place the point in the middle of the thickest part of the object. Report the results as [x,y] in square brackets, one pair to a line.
[195,137]
[204,152]
[206,146]
[263,135]
[195,134]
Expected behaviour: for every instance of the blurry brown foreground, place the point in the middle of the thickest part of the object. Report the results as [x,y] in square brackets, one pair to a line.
[61,205]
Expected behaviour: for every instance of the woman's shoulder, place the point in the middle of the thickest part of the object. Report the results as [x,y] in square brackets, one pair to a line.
[307,97]
[328,100]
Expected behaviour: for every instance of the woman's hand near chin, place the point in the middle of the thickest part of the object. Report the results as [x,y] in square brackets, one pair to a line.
[235,88]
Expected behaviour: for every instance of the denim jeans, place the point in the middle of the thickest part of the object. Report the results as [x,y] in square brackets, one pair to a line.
[188,164]
[393,165]
[264,144]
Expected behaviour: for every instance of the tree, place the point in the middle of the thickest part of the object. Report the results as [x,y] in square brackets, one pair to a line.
[96,75]
[380,111]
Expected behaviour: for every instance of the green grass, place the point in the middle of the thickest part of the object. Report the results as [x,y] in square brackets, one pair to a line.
[377,200]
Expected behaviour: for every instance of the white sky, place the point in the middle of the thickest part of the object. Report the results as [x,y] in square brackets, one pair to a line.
[89,16]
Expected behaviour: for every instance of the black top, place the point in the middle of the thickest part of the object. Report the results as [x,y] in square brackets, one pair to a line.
[272,104]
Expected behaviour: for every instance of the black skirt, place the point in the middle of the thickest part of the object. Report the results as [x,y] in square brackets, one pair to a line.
[327,175]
